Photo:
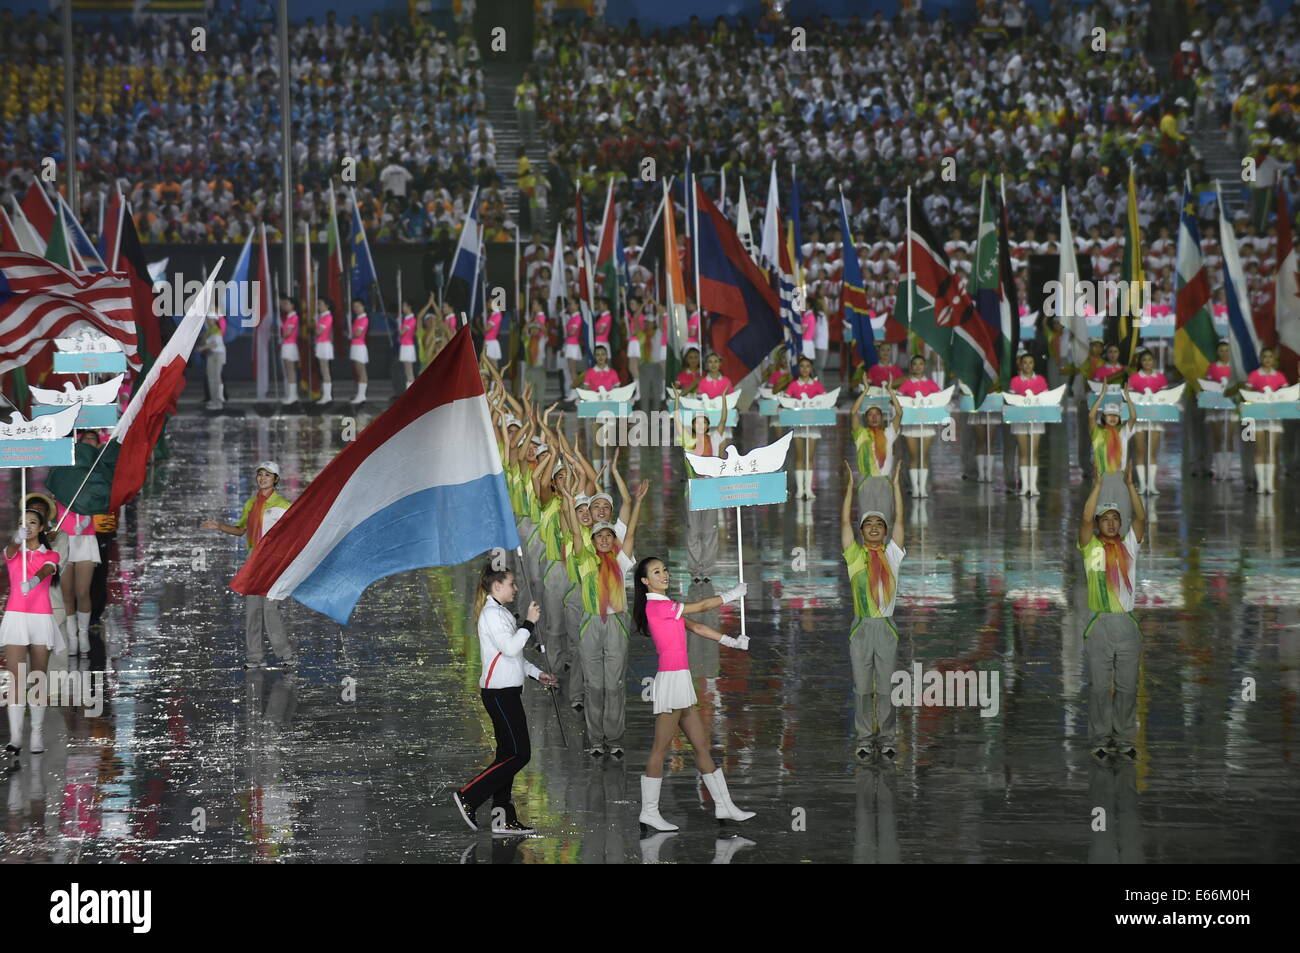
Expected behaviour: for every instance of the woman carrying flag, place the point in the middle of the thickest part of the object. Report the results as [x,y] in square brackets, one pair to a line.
[1113,644]
[873,639]
[501,686]
[358,351]
[406,342]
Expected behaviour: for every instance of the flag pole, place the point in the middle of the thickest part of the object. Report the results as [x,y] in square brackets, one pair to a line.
[523,568]
[911,276]
[695,253]
[22,513]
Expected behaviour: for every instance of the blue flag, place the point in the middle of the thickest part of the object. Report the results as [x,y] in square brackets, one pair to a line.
[854,296]
[363,267]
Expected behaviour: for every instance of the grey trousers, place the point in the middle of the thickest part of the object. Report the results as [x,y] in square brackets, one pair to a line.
[876,493]
[873,650]
[652,385]
[701,541]
[538,377]
[576,688]
[1113,646]
[602,647]
[262,615]
[555,583]
[216,394]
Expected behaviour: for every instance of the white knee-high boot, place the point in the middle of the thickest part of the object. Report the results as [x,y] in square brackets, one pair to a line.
[798,484]
[1151,481]
[83,632]
[38,729]
[650,816]
[1260,482]
[361,393]
[16,724]
[326,392]
[979,468]
[807,476]
[922,478]
[916,485]
[1033,481]
[1024,481]
[1141,472]
[1270,474]
[724,809]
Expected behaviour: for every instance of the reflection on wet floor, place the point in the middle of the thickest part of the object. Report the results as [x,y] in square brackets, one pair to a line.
[354,756]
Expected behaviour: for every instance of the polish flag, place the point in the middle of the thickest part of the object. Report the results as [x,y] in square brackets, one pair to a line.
[155,399]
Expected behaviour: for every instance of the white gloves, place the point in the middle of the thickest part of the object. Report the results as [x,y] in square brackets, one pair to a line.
[734,593]
[739,642]
[30,584]
[22,534]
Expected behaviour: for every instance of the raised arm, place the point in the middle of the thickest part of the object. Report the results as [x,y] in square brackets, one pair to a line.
[847,538]
[625,506]
[857,405]
[1089,511]
[629,538]
[899,519]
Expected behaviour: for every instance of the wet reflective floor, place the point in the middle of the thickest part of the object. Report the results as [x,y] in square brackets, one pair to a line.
[354,757]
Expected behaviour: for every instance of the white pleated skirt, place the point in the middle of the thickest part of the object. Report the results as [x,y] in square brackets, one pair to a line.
[83,549]
[325,350]
[493,349]
[289,352]
[31,628]
[406,353]
[359,353]
[672,690]
[573,352]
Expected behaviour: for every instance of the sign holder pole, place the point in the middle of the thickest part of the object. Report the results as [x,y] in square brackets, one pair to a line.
[740,565]
[22,515]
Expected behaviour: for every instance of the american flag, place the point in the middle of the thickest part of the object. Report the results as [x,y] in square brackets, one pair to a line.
[40,301]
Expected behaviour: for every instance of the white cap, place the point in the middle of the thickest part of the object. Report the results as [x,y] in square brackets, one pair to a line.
[1110,407]
[581,500]
[869,513]
[1104,508]
[601,527]
[269,466]
[1186,46]
[602,496]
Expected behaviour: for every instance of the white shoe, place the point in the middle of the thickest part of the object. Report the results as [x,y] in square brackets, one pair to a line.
[723,807]
[83,642]
[37,743]
[650,816]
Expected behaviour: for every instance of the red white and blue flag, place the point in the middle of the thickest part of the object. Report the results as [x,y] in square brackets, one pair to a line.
[421,486]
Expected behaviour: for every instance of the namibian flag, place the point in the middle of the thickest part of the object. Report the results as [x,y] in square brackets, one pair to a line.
[421,486]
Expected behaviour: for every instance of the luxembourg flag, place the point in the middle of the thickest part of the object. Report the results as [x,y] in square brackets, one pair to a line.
[421,486]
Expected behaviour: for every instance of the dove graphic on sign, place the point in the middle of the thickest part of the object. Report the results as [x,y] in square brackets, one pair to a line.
[767,459]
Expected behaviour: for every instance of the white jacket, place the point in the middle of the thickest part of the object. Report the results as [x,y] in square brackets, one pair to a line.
[501,645]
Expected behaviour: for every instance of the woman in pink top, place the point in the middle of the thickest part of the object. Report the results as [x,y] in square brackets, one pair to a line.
[805,385]
[690,375]
[359,352]
[1266,377]
[809,326]
[692,325]
[492,337]
[406,342]
[604,322]
[637,330]
[1221,422]
[715,384]
[28,631]
[659,618]
[573,330]
[289,349]
[324,324]
[1146,442]
[602,375]
[1112,371]
[1027,434]
[880,374]
[919,436]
